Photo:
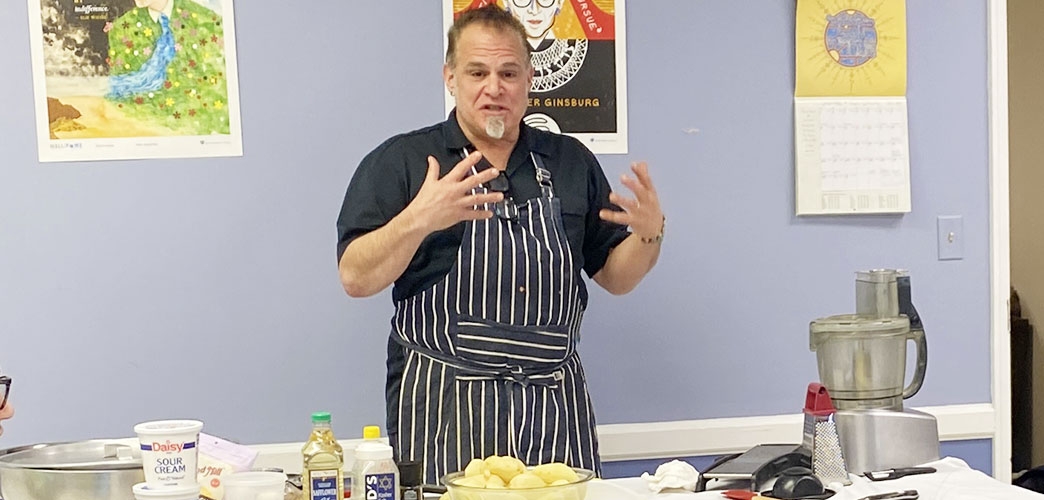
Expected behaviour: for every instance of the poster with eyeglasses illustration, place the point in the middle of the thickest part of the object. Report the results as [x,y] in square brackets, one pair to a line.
[579,61]
[133,79]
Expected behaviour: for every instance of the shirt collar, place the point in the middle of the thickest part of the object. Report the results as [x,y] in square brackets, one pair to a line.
[166,10]
[452,133]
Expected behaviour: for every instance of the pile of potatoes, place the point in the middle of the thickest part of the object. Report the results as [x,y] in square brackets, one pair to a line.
[502,472]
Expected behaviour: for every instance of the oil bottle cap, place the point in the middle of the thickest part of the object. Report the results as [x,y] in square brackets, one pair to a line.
[371,432]
[321,417]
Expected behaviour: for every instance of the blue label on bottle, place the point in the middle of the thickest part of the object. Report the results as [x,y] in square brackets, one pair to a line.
[380,486]
[323,484]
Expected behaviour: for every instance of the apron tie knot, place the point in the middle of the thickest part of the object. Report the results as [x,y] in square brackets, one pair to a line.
[519,376]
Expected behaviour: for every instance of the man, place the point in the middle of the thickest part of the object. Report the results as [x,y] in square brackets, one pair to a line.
[484,224]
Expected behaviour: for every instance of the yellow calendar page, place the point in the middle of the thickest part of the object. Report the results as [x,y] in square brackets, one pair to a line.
[850,48]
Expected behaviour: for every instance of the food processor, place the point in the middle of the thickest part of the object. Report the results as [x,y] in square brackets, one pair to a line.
[862,362]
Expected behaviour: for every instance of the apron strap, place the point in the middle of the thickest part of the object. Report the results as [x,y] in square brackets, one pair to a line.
[546,376]
[543,175]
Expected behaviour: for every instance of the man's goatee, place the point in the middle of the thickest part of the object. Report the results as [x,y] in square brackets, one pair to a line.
[495,127]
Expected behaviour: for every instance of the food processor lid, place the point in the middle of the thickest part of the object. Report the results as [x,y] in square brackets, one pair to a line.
[880,275]
[854,326]
[83,455]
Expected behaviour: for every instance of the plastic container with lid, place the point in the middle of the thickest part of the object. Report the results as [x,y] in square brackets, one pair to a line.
[145,491]
[255,485]
[374,474]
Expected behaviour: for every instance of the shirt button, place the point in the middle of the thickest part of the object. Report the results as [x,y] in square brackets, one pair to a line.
[521,289]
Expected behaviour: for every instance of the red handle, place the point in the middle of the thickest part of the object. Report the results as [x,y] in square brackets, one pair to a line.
[739,494]
[817,400]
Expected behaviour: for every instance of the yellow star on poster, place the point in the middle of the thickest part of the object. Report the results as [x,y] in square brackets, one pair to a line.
[850,48]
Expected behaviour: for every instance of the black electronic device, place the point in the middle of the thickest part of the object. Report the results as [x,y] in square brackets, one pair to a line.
[756,467]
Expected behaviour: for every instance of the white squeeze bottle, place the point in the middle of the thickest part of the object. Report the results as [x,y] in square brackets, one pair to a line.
[374,474]
[322,477]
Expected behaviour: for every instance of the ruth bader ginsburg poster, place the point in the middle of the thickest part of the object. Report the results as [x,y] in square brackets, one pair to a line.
[578,51]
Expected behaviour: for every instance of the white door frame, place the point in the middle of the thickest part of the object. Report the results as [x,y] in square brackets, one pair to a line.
[1000,252]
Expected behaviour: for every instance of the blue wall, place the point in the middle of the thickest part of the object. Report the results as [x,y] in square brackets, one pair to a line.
[208,288]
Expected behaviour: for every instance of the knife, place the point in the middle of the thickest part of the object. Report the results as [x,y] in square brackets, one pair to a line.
[895,495]
[884,475]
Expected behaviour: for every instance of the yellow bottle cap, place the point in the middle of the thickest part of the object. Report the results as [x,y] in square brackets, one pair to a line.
[371,432]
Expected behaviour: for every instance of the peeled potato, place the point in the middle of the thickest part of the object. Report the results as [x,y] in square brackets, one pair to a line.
[526,480]
[477,467]
[554,472]
[505,467]
[509,473]
[495,482]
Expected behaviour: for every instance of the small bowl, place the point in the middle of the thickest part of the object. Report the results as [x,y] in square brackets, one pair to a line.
[576,490]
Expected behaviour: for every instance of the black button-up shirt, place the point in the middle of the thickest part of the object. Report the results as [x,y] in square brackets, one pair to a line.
[390,176]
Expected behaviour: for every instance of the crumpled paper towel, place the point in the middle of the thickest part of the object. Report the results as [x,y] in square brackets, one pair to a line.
[672,475]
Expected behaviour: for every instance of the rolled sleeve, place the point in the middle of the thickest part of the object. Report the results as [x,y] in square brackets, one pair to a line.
[377,192]
[600,236]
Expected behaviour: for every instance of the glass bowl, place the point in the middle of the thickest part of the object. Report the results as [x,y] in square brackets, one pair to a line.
[576,490]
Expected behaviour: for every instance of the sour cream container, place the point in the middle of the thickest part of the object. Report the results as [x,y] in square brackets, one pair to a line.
[169,451]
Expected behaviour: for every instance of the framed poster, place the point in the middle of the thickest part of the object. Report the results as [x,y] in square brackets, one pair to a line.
[578,51]
[130,79]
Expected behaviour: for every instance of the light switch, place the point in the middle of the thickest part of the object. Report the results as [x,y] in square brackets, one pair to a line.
[951,237]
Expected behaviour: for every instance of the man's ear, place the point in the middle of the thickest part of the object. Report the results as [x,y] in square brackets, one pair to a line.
[449,79]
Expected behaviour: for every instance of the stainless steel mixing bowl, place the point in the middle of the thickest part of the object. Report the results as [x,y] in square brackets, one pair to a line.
[101,469]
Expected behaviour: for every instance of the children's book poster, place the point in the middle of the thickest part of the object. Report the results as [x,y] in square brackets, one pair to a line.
[132,79]
[578,51]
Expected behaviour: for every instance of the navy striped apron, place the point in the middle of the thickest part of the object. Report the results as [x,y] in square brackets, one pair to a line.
[491,366]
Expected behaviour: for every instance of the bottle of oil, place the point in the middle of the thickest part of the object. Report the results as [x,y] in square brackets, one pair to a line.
[322,475]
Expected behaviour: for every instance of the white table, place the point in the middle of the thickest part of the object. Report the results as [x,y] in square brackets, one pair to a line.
[954,480]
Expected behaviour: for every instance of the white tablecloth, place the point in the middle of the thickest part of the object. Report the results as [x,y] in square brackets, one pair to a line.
[954,480]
